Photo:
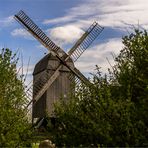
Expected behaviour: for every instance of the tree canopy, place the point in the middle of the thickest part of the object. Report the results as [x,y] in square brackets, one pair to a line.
[14,126]
[114,112]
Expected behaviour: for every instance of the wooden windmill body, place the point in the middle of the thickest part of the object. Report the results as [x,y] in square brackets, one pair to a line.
[61,87]
[53,73]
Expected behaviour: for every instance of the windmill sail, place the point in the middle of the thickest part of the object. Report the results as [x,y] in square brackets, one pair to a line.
[22,18]
[76,51]
[80,46]
[53,78]
[28,96]
[85,41]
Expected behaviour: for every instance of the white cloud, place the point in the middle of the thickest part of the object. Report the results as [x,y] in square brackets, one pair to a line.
[113,13]
[7,21]
[65,34]
[19,32]
[97,56]
[56,20]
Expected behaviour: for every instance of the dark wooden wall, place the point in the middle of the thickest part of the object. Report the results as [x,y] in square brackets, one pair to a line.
[61,87]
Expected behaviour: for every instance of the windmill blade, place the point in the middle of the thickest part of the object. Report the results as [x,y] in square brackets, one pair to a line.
[85,41]
[77,73]
[80,47]
[31,27]
[47,84]
[22,18]
[82,44]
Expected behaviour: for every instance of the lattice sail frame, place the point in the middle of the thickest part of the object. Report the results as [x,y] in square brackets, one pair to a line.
[36,31]
[75,52]
[85,41]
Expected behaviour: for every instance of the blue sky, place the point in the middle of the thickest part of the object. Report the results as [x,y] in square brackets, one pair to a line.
[64,21]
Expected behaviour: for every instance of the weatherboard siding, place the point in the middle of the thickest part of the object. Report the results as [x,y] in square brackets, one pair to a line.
[59,88]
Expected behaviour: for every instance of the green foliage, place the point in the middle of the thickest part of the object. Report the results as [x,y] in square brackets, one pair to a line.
[114,111]
[131,70]
[14,129]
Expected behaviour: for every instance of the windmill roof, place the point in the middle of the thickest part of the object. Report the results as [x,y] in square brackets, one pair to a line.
[43,63]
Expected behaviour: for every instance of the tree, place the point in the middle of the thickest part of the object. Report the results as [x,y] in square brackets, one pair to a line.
[113,112]
[132,75]
[14,126]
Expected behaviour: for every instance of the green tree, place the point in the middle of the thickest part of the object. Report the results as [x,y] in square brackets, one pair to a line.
[113,112]
[131,72]
[14,126]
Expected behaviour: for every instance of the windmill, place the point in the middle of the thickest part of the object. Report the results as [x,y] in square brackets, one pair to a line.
[64,62]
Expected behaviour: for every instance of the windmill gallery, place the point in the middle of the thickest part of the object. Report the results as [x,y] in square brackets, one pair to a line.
[53,74]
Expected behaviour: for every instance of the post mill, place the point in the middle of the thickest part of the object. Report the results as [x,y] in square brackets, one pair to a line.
[52,75]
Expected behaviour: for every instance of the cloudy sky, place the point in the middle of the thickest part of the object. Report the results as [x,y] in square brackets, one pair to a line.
[64,21]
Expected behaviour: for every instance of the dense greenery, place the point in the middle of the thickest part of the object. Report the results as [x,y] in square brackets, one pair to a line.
[114,111]
[14,127]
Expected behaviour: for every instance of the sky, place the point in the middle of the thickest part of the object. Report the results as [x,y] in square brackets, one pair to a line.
[64,21]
